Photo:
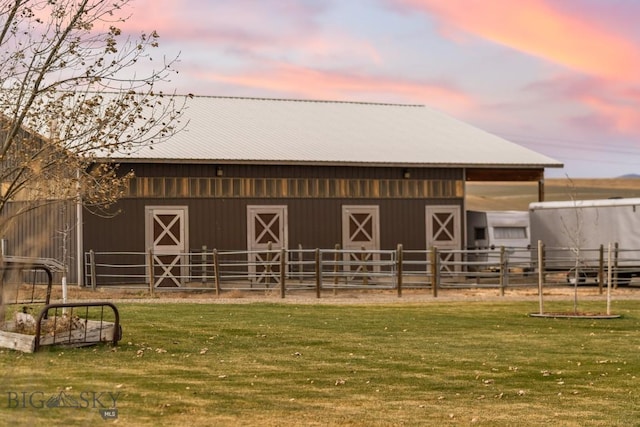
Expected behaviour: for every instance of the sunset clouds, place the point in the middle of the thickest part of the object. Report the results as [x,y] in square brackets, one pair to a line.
[538,72]
[540,28]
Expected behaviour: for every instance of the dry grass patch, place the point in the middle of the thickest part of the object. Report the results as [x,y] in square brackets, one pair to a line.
[518,195]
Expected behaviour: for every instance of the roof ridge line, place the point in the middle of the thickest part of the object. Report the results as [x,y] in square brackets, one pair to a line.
[320,101]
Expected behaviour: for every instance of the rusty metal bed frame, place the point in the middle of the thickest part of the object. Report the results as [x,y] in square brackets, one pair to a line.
[91,332]
[104,326]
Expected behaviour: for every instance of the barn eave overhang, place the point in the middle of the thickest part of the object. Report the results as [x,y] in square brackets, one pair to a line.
[468,166]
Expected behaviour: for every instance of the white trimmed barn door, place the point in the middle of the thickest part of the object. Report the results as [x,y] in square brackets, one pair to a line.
[443,231]
[361,230]
[266,228]
[166,235]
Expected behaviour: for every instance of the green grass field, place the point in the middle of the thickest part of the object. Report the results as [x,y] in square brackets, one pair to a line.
[441,363]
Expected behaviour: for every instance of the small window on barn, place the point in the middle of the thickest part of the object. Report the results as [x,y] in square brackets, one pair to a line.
[364,188]
[434,188]
[374,188]
[313,187]
[394,190]
[226,187]
[510,232]
[257,187]
[170,187]
[409,189]
[221,187]
[283,187]
[291,187]
[339,189]
[459,189]
[479,233]
[438,190]
[274,187]
[384,188]
[132,188]
[157,187]
[240,187]
[323,188]
[205,187]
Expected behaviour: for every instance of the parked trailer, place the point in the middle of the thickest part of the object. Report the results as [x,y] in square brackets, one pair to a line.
[490,231]
[573,228]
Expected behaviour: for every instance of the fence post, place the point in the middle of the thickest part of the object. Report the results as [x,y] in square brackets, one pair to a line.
[203,260]
[216,271]
[609,279]
[399,261]
[601,269]
[300,262]
[283,274]
[318,273]
[152,278]
[540,275]
[268,266]
[615,265]
[434,271]
[503,269]
[365,270]
[92,263]
[336,267]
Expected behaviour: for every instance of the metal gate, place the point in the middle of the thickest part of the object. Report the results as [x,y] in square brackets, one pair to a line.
[443,232]
[267,234]
[166,235]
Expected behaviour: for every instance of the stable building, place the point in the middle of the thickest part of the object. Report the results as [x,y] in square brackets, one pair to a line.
[247,174]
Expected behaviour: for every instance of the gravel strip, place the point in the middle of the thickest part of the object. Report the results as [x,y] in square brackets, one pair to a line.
[357,297]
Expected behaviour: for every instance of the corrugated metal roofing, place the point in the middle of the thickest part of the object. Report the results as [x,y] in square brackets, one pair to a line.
[222,129]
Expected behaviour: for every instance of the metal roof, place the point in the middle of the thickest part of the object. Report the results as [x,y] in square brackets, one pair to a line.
[226,130]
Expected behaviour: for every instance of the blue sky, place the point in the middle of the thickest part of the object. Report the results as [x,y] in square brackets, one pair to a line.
[561,78]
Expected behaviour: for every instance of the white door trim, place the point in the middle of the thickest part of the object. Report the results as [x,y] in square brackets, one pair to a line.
[169,260]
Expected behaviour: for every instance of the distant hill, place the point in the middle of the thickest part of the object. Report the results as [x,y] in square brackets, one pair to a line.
[518,195]
[630,176]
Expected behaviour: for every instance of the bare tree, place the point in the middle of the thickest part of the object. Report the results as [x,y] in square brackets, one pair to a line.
[72,96]
[573,230]
[75,90]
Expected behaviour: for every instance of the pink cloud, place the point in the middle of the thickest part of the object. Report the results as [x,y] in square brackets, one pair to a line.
[191,21]
[622,118]
[538,28]
[241,23]
[247,29]
[611,107]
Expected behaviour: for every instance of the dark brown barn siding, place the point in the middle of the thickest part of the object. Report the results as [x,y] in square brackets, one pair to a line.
[123,232]
[222,223]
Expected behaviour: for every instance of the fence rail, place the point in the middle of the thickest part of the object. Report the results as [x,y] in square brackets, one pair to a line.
[287,270]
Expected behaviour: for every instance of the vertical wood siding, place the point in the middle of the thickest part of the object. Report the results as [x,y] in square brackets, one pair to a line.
[222,223]
[39,233]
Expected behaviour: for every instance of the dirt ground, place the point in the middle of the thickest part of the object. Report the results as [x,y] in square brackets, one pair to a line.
[339,297]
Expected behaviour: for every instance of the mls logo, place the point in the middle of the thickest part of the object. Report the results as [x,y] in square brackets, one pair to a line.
[109,414]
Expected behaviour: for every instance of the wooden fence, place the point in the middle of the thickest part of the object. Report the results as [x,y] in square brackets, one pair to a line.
[320,270]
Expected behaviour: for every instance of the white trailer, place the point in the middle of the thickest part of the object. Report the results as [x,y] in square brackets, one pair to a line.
[490,231]
[576,228]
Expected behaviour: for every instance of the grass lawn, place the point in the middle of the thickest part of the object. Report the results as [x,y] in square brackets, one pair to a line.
[441,363]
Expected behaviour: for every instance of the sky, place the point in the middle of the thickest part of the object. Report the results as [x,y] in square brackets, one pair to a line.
[559,77]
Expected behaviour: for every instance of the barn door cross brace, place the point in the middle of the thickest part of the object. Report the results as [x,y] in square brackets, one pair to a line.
[166,230]
[360,227]
[267,228]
